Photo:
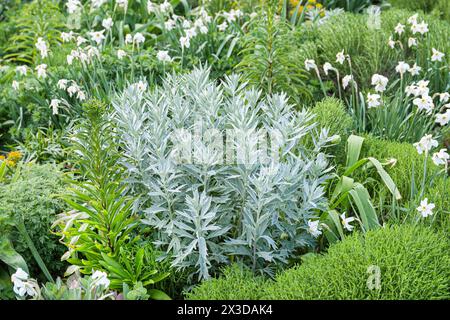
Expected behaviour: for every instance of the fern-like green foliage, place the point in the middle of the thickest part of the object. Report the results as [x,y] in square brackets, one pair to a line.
[271,60]
[40,18]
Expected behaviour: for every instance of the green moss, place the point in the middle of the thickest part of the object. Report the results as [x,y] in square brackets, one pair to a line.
[32,196]
[413,262]
[236,283]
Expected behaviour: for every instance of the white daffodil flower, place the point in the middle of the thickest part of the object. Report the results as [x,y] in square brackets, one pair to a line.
[54,104]
[414,70]
[425,144]
[373,100]
[444,97]
[443,118]
[346,80]
[440,158]
[391,43]
[402,67]
[399,28]
[121,54]
[327,67]
[41,71]
[424,103]
[22,70]
[163,56]
[437,55]
[380,82]
[107,23]
[314,228]
[41,45]
[340,57]
[185,42]
[346,222]
[100,279]
[310,64]
[412,42]
[97,36]
[138,38]
[425,208]
[223,26]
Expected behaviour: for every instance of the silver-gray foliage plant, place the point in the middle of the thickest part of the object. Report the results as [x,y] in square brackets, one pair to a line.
[203,210]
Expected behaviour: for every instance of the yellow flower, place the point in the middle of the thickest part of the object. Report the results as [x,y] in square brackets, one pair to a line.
[14,156]
[2,158]
[10,163]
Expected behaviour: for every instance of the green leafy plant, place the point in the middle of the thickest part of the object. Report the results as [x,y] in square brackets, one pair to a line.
[270,57]
[101,224]
[347,195]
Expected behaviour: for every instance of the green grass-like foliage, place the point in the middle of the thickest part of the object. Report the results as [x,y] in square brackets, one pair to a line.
[236,283]
[330,113]
[33,197]
[413,262]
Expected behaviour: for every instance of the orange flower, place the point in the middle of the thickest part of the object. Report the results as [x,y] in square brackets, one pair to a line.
[14,156]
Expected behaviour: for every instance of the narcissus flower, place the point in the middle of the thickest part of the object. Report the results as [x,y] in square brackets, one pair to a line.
[97,36]
[314,228]
[327,67]
[346,222]
[62,84]
[163,56]
[424,103]
[340,57]
[380,82]
[310,64]
[441,157]
[185,42]
[67,36]
[21,70]
[138,38]
[346,80]
[41,45]
[425,144]
[391,43]
[414,70]
[399,28]
[443,118]
[73,5]
[223,26]
[425,208]
[54,104]
[402,67]
[413,19]
[373,100]
[437,55]
[100,279]
[41,71]
[169,24]
[412,42]
[121,54]
[107,23]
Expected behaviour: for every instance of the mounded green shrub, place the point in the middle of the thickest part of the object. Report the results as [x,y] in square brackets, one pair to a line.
[32,196]
[413,261]
[330,113]
[235,283]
